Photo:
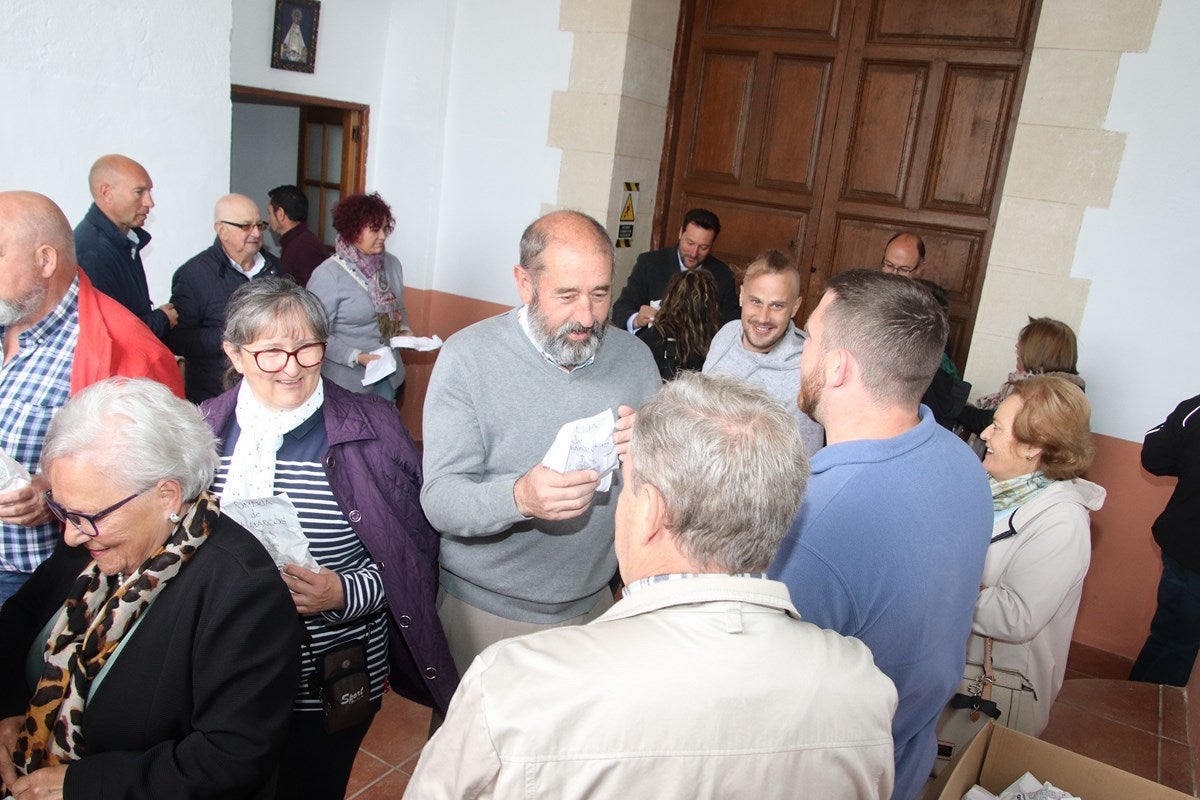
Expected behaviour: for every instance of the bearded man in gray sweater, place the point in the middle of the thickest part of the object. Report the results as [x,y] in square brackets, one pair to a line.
[764,346]
[525,547]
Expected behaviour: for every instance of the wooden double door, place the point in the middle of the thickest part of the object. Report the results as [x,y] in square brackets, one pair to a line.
[823,127]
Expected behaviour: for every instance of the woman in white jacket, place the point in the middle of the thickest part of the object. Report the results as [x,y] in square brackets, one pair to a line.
[1037,447]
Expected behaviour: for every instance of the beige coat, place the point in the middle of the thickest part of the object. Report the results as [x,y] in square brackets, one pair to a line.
[705,687]
[1033,582]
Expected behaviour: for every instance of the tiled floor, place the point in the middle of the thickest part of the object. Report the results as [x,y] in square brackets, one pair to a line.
[389,753]
[1138,727]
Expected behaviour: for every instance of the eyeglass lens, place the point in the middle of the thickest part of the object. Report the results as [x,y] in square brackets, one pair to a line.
[274,360]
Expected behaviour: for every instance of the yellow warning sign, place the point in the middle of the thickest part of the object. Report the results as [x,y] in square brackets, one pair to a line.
[627,209]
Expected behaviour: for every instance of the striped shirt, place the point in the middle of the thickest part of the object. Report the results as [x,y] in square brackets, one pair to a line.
[333,543]
[33,385]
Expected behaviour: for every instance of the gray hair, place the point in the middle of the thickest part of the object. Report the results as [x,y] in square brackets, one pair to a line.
[266,302]
[730,465]
[137,433]
[893,326]
[563,226]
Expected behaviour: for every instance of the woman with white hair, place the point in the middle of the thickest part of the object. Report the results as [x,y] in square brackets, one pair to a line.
[159,648]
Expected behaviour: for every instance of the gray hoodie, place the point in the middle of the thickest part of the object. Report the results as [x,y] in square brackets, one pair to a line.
[778,372]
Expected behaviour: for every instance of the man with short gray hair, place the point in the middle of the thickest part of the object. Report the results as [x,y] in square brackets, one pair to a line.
[702,681]
[889,544]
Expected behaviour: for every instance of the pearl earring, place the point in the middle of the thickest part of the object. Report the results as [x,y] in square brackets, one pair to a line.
[175,518]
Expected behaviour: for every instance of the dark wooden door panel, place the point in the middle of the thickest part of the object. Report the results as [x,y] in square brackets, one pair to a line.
[960,23]
[789,148]
[810,18]
[726,83]
[884,132]
[970,144]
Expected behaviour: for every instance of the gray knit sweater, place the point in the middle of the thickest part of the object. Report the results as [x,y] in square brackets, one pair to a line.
[777,371]
[493,408]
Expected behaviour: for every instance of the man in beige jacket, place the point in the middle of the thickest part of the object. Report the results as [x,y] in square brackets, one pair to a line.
[701,681]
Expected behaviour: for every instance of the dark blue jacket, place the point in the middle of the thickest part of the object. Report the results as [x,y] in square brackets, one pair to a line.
[374,471]
[199,292]
[114,265]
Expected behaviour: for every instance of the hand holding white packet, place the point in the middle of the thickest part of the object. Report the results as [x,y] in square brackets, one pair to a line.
[381,367]
[586,444]
[12,474]
[276,524]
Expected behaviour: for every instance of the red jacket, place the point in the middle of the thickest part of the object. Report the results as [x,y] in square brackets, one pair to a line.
[112,341]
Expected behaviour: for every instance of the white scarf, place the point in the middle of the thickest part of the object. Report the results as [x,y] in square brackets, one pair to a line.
[252,466]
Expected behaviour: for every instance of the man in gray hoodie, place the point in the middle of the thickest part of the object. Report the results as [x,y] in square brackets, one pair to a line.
[764,346]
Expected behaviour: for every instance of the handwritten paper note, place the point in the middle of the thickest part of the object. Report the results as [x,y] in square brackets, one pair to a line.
[586,444]
[275,523]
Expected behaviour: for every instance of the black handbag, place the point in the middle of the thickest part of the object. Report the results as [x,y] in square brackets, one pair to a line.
[345,686]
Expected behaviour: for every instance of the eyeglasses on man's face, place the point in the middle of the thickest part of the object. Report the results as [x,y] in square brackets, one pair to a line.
[275,359]
[246,227]
[899,269]
[84,523]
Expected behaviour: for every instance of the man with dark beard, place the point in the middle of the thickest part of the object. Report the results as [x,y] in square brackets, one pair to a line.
[525,547]
[889,543]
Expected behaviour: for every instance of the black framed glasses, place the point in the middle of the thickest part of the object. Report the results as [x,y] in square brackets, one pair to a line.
[899,269]
[246,227]
[84,523]
[275,359]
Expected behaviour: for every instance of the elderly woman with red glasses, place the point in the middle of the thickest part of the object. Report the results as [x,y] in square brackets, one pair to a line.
[156,655]
[362,287]
[350,477]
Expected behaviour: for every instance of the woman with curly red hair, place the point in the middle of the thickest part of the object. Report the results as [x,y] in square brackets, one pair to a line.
[362,288]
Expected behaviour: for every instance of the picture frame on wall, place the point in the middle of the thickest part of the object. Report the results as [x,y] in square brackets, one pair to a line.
[294,45]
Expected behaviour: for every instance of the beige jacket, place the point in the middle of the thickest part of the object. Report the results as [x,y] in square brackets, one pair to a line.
[1032,585]
[705,687]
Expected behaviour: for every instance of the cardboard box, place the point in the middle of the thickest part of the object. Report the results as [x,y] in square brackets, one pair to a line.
[998,756]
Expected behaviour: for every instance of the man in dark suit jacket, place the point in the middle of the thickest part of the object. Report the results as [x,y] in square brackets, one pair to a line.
[653,271]
[202,287]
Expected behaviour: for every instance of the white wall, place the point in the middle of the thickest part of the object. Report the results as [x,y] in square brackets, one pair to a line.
[460,105]
[85,79]
[351,45]
[1138,341]
[506,61]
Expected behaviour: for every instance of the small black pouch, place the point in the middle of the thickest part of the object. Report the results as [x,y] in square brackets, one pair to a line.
[345,687]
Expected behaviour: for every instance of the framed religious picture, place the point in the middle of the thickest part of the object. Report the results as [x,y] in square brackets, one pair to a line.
[294,45]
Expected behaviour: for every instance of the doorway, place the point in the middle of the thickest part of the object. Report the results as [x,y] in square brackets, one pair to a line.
[315,143]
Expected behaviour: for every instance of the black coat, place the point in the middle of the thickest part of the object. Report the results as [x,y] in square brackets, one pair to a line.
[1173,448]
[197,703]
[199,291]
[653,271]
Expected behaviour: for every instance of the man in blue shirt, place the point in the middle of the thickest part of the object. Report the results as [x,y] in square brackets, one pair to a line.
[889,543]
[110,238]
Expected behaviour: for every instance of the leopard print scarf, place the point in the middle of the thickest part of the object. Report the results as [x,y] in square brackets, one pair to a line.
[98,612]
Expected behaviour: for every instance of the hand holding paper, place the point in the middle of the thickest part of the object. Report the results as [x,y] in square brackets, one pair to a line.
[381,367]
[586,444]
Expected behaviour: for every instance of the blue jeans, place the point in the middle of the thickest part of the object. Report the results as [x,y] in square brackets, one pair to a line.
[10,582]
[1170,650]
